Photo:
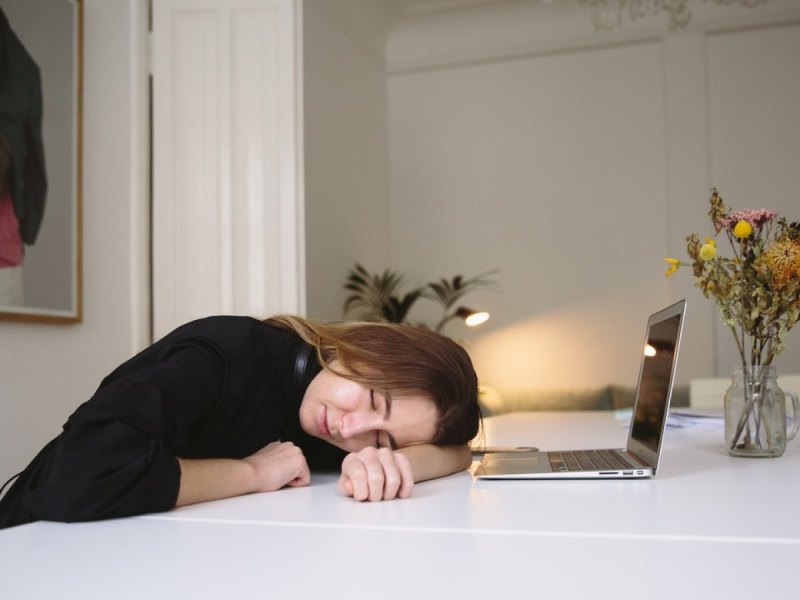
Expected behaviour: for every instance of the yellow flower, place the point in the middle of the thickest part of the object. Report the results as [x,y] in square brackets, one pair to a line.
[742,230]
[708,250]
[674,263]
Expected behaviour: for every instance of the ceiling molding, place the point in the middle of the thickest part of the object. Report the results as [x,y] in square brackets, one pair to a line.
[415,7]
[491,30]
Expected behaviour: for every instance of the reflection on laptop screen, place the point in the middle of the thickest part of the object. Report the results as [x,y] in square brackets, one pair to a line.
[654,382]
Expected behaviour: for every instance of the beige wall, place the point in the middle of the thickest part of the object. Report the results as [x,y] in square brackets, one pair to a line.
[47,370]
[575,161]
[346,148]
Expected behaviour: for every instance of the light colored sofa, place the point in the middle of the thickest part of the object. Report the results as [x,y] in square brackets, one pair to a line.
[708,392]
[495,401]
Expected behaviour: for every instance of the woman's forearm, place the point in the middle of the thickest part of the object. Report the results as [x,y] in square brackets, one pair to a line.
[203,480]
[274,466]
[429,461]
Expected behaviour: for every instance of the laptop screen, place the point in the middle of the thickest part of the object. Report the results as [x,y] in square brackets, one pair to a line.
[655,381]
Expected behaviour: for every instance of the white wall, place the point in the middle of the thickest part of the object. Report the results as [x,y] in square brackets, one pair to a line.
[754,82]
[346,147]
[46,371]
[575,161]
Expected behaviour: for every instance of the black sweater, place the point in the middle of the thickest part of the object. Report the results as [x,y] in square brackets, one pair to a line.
[220,387]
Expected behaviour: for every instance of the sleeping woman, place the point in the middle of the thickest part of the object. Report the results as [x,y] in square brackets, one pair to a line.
[225,406]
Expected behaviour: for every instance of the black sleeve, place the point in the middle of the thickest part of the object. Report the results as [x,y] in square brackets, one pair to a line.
[116,455]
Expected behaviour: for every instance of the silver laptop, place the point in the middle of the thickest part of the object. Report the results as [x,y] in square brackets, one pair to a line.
[648,421]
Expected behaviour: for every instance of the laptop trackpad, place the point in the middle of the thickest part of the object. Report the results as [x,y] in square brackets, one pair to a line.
[515,464]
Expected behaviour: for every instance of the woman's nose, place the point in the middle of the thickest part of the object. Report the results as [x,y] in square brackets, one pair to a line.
[357,423]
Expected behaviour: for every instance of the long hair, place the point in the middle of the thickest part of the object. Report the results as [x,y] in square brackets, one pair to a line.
[402,360]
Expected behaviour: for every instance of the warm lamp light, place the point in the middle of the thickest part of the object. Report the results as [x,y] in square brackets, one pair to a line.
[471,317]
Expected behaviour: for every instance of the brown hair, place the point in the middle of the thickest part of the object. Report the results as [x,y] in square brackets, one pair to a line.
[402,360]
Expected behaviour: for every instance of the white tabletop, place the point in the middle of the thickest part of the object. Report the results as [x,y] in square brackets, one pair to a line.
[701,528]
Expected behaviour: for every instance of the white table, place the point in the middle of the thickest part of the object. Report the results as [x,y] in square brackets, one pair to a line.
[706,526]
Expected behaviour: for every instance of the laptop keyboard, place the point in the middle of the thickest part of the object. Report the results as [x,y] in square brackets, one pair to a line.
[587,460]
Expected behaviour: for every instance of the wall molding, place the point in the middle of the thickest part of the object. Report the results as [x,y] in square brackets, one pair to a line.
[505,31]
[227,167]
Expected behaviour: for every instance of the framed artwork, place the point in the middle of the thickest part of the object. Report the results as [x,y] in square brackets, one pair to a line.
[41,79]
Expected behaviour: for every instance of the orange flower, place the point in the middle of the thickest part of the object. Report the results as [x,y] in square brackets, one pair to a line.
[783,259]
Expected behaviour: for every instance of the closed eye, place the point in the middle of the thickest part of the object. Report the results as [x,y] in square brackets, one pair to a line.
[372,405]
[387,412]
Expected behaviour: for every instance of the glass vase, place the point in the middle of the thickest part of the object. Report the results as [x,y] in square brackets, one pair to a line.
[755,413]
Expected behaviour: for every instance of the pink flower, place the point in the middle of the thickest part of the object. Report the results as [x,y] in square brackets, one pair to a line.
[756,217]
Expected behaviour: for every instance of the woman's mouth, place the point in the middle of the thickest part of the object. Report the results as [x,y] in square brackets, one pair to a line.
[323,422]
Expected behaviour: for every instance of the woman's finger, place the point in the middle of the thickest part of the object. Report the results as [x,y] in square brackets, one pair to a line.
[392,475]
[345,485]
[406,475]
[358,474]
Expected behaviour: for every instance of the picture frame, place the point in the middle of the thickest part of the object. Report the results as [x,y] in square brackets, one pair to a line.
[47,286]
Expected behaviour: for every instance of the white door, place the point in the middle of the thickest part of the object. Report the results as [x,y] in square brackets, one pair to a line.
[227,165]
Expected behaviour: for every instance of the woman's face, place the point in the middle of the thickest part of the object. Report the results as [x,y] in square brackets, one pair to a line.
[352,417]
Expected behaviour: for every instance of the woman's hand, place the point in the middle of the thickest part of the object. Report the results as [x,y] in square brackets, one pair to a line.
[376,474]
[279,464]
[274,466]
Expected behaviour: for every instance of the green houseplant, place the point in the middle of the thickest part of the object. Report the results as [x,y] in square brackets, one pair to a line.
[384,297]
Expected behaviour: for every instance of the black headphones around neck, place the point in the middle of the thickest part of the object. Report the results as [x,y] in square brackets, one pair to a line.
[301,366]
